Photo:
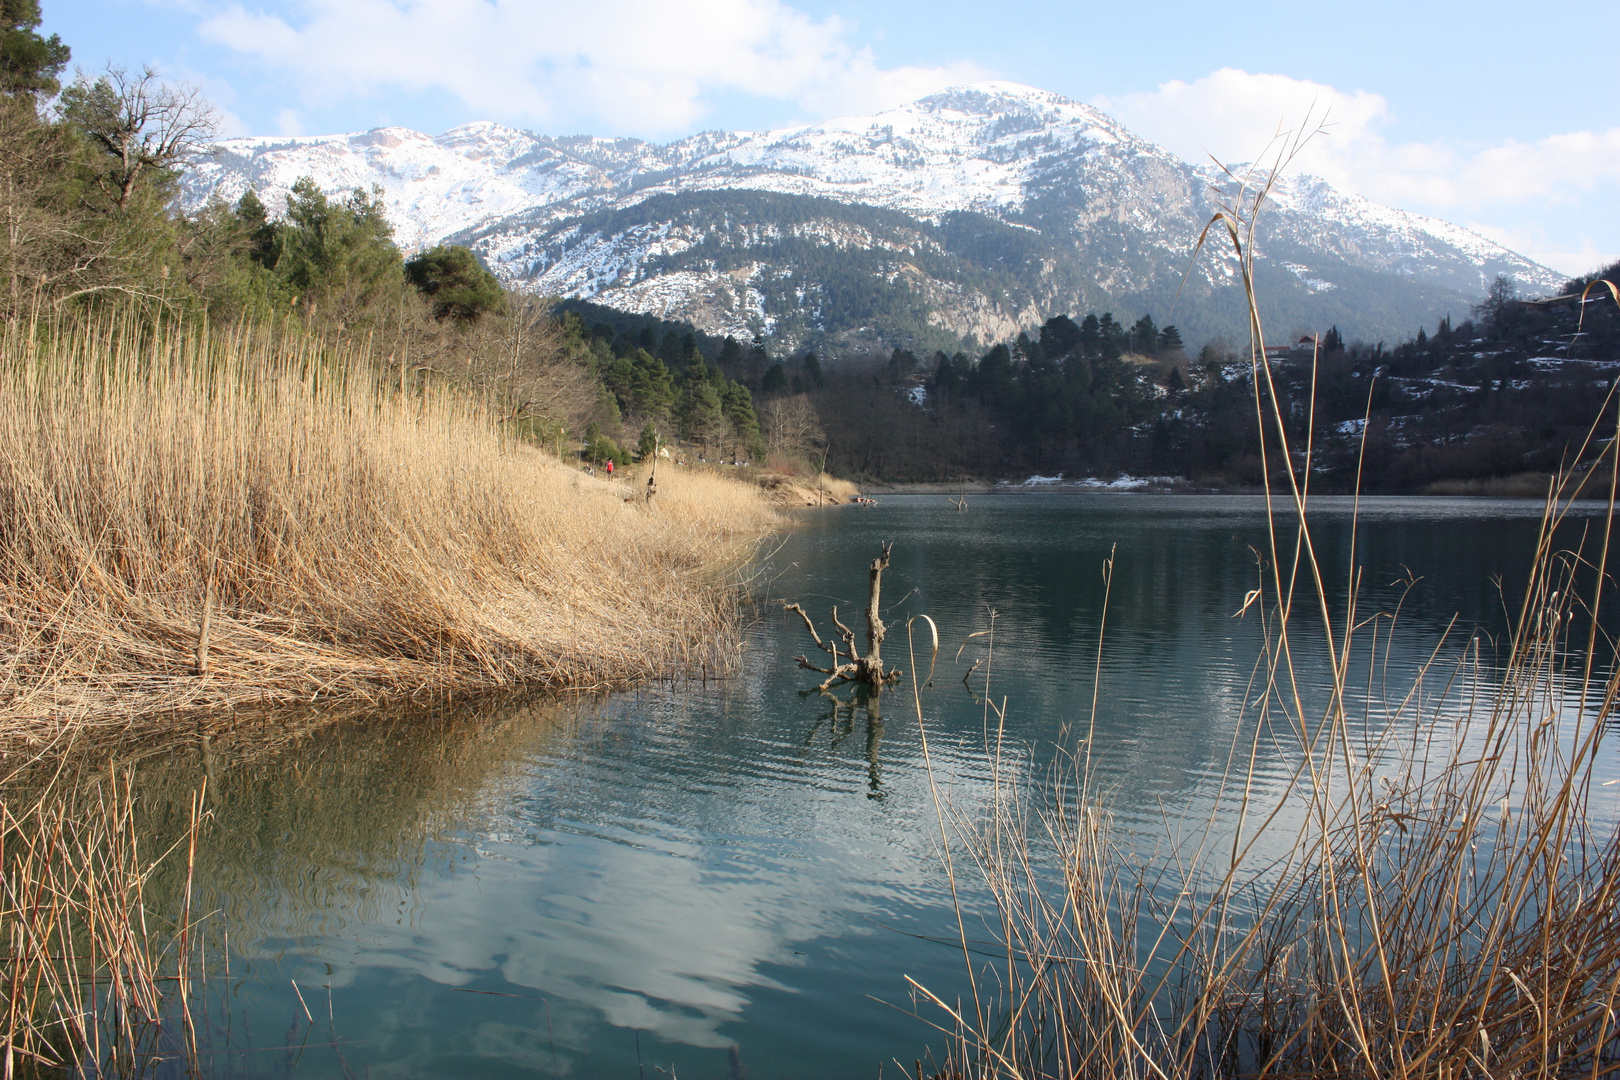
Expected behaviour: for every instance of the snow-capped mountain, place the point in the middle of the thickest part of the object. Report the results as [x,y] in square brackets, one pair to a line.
[972,213]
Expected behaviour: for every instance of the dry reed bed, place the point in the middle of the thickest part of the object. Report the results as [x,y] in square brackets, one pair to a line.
[274,514]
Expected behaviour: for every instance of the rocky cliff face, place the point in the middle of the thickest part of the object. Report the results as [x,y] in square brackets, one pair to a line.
[969,214]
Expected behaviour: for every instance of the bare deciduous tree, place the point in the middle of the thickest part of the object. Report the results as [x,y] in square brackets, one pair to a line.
[536,374]
[520,363]
[140,122]
[791,427]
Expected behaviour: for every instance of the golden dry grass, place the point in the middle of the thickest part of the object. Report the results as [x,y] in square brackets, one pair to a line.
[323,534]
[837,490]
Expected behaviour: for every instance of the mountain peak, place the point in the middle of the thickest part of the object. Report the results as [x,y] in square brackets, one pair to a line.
[993,96]
[988,207]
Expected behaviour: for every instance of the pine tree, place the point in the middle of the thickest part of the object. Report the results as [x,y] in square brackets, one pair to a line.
[1145,336]
[29,64]
[652,390]
[699,412]
[1060,335]
[337,250]
[647,445]
[775,381]
[1091,335]
[455,283]
[737,404]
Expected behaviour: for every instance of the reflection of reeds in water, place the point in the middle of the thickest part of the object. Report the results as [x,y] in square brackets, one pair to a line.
[338,830]
[1433,892]
[117,886]
[96,979]
[200,517]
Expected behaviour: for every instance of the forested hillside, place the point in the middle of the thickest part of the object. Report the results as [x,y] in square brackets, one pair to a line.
[1490,404]
[1487,404]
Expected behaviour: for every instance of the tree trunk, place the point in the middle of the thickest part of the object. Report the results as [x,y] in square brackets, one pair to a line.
[867,669]
[872,662]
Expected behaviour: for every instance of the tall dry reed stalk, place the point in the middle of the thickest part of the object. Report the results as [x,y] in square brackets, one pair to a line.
[1433,892]
[93,983]
[192,516]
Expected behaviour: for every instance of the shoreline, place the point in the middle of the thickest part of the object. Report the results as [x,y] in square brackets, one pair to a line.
[183,544]
[1514,490]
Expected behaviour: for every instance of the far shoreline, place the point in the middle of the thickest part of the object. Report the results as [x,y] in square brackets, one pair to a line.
[1502,492]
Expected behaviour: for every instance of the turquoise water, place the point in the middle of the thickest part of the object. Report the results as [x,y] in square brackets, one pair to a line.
[734,878]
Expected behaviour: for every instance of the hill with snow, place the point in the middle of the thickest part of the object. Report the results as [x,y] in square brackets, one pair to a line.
[965,216]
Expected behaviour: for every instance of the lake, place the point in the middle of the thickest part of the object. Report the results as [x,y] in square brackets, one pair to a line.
[733,877]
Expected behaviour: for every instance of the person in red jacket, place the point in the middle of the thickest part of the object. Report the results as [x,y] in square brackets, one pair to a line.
[610,468]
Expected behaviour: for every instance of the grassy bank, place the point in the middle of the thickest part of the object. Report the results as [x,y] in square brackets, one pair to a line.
[192,517]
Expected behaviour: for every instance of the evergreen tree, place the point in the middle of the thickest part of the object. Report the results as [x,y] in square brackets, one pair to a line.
[775,381]
[652,390]
[1091,335]
[737,404]
[341,251]
[699,412]
[1112,337]
[758,360]
[1145,337]
[29,64]
[455,283]
[647,445]
[1060,336]
[254,221]
[618,375]
[670,350]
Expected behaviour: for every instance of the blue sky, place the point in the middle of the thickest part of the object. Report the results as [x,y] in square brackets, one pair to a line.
[1492,115]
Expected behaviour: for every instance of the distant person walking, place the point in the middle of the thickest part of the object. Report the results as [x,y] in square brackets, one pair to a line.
[610,468]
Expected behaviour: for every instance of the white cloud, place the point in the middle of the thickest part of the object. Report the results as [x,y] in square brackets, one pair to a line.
[636,66]
[1235,116]
[1513,185]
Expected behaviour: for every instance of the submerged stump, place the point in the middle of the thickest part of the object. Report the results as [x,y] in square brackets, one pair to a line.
[849,665]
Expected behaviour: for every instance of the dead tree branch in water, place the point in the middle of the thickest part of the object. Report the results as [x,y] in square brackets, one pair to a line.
[848,664]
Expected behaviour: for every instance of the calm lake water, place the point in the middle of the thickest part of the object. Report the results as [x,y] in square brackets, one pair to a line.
[734,879]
